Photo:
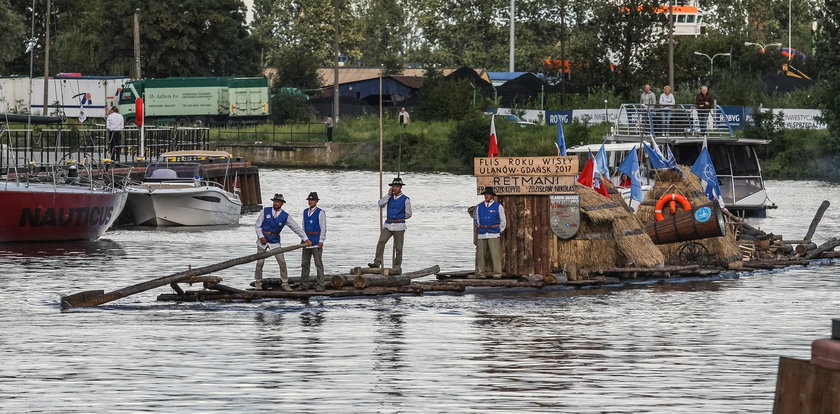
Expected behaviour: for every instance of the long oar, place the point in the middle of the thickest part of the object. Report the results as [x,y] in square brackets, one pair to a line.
[97,297]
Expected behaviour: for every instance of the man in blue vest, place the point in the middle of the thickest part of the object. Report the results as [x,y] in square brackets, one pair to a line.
[398,209]
[270,223]
[489,217]
[315,226]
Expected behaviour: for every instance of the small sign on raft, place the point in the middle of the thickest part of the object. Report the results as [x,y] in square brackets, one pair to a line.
[526,175]
[565,215]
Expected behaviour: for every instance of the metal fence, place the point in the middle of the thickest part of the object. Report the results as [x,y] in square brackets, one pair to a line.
[50,145]
[302,132]
[677,121]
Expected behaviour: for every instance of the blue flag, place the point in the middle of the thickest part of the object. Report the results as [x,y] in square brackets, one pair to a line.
[656,160]
[705,169]
[670,159]
[630,167]
[601,163]
[561,140]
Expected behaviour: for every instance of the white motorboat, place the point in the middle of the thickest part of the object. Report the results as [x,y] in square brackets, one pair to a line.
[686,130]
[173,193]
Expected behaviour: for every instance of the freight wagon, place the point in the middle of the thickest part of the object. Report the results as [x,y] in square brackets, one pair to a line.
[70,95]
[198,101]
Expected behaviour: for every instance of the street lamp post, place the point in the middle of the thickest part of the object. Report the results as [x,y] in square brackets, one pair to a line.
[762,47]
[712,60]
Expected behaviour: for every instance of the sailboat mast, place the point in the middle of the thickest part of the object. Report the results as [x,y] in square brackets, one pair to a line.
[47,60]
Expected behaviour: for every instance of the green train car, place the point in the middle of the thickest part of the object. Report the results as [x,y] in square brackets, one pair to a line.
[197,101]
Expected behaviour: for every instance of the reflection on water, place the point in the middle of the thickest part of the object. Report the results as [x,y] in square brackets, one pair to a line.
[698,347]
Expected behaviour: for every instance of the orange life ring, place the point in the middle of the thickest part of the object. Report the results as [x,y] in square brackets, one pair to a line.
[673,199]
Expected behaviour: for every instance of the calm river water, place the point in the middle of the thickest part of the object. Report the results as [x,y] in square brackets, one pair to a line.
[701,347]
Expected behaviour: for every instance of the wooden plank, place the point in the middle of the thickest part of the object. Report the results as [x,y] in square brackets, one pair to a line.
[511,166]
[96,300]
[527,185]
[365,281]
[802,387]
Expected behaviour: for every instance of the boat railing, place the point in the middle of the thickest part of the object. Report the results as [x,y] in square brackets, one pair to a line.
[55,145]
[672,122]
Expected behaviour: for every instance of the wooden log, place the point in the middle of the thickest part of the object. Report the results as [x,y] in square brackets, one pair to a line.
[202,279]
[827,246]
[222,288]
[784,249]
[339,281]
[438,286]
[85,299]
[649,269]
[365,281]
[375,271]
[803,249]
[493,283]
[816,220]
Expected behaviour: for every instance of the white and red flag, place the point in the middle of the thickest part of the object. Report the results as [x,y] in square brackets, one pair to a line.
[494,145]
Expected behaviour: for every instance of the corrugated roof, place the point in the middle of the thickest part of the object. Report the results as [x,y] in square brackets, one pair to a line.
[413,82]
[348,75]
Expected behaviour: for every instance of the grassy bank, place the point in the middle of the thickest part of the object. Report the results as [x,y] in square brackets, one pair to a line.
[798,154]
[450,146]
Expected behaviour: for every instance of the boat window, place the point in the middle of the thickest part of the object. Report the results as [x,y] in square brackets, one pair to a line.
[745,187]
[726,190]
[681,19]
[720,158]
[689,18]
[744,161]
[686,154]
[699,19]
[208,198]
[171,171]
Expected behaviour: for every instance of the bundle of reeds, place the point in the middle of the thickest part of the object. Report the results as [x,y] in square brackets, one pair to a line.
[609,236]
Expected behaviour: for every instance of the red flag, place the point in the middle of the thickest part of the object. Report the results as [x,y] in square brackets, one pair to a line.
[494,145]
[587,178]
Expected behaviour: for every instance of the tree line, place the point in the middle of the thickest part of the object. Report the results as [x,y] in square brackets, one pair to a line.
[617,45]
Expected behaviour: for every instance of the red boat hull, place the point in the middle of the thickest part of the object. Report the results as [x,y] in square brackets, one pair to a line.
[44,212]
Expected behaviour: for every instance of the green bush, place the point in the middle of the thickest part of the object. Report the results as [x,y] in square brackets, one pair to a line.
[291,108]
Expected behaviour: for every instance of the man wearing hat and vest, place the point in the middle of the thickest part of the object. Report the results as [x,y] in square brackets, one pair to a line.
[398,209]
[270,223]
[315,226]
[489,217]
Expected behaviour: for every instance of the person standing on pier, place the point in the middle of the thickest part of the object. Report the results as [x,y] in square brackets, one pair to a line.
[114,123]
[268,227]
[489,217]
[398,209]
[315,226]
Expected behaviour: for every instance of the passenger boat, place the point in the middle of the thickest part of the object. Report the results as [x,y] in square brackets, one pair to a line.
[51,209]
[686,130]
[173,193]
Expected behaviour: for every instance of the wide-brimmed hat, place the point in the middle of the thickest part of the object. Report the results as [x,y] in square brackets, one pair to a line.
[488,190]
[396,181]
[312,196]
[278,197]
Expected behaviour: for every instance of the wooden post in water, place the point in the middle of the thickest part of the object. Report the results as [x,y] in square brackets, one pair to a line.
[98,297]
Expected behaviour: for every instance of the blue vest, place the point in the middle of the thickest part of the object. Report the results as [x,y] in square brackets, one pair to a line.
[488,218]
[312,226]
[273,225]
[396,209]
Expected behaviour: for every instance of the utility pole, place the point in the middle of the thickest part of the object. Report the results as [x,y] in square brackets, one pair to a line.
[671,44]
[137,44]
[563,53]
[335,68]
[512,19]
[47,62]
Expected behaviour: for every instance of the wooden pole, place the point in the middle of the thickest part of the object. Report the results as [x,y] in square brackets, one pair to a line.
[98,297]
[816,221]
[137,47]
[827,246]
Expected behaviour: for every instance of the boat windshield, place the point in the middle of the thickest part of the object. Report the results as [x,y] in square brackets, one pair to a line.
[172,171]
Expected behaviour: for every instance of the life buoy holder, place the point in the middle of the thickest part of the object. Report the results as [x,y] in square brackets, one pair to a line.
[672,199]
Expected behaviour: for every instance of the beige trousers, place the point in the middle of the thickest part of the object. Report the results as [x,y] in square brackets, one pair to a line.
[384,236]
[281,261]
[494,248]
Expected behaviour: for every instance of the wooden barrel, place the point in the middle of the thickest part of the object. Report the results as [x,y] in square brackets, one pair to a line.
[695,224]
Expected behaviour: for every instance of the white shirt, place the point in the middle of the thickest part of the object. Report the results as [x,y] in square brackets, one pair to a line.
[401,225]
[667,99]
[502,222]
[115,122]
[322,222]
[290,223]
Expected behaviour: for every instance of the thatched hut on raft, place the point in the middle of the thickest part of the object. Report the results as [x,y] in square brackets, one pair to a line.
[609,236]
[720,251]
